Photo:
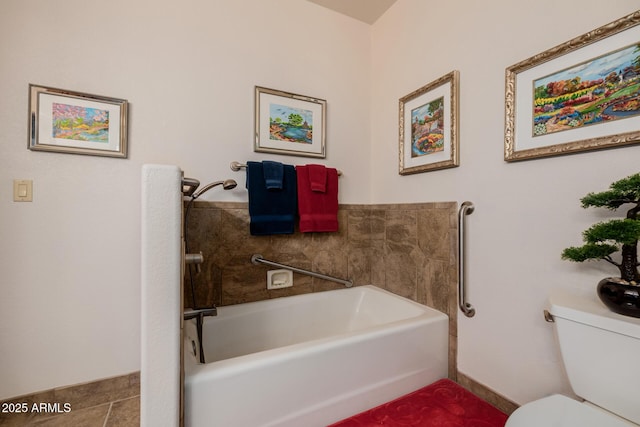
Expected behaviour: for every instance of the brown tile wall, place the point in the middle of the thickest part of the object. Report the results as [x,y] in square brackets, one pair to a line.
[408,249]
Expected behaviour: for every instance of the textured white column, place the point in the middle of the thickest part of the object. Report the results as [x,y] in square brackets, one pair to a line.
[160,375]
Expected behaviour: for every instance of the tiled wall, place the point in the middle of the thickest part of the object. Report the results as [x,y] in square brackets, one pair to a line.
[408,249]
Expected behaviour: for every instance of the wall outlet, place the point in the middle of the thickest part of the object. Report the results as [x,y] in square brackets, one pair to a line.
[277,279]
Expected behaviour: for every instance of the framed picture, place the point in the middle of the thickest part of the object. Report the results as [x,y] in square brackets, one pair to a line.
[291,124]
[429,126]
[64,121]
[581,95]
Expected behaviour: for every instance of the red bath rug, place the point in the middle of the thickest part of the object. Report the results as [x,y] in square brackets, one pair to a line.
[441,404]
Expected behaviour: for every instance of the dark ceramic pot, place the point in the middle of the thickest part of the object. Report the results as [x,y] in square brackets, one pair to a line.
[620,296]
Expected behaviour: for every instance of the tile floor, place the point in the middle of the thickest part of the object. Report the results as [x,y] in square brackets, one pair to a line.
[121,413]
[114,402]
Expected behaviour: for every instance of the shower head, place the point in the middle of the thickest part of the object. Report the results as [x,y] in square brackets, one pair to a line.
[226,184]
[229,184]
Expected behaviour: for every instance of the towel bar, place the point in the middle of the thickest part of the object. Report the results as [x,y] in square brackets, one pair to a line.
[236,166]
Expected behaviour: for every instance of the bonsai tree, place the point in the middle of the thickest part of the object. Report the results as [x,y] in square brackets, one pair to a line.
[605,238]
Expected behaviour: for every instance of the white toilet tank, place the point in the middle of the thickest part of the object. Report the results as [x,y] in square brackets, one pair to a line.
[601,353]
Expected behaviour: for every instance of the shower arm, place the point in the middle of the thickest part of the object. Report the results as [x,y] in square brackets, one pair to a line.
[258,259]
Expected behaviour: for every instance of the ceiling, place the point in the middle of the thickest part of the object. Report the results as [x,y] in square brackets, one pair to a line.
[363,10]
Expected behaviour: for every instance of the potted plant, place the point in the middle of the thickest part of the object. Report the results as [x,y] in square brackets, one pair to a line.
[603,239]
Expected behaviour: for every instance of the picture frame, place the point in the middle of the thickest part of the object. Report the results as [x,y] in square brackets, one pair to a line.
[428,126]
[65,121]
[290,124]
[577,96]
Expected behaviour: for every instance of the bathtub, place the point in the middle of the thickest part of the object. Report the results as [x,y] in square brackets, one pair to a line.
[311,360]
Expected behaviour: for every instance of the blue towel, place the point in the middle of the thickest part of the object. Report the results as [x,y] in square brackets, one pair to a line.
[271,211]
[273,174]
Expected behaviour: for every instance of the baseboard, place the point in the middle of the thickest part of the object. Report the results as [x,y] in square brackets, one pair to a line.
[79,396]
[505,405]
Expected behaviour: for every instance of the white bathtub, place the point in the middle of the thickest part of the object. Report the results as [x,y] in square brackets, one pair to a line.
[311,360]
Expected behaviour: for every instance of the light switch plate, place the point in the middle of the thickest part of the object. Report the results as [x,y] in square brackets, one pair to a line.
[22,190]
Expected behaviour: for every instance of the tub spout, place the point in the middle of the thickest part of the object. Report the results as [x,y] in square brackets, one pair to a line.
[200,312]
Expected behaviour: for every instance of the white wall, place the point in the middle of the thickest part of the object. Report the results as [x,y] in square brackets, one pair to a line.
[526,212]
[69,261]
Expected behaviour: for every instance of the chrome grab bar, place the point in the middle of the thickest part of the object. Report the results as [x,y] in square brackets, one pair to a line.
[258,259]
[465,209]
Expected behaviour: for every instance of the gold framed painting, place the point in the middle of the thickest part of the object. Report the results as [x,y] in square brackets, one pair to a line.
[579,96]
[428,126]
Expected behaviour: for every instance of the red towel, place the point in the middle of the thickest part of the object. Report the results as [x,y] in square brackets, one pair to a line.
[318,178]
[318,211]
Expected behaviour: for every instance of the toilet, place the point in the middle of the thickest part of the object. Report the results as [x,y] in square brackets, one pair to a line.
[601,354]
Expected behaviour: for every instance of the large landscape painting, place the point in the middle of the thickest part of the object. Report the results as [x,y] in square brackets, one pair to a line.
[603,89]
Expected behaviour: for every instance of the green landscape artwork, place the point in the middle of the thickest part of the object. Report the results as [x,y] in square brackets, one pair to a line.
[290,124]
